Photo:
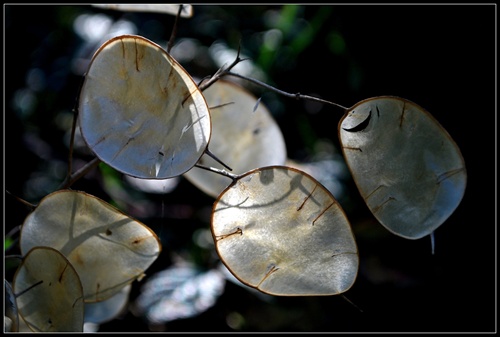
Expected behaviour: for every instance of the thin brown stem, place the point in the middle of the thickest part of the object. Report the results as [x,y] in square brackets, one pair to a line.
[174,30]
[348,300]
[71,144]
[214,157]
[30,205]
[281,92]
[70,180]
[224,173]
[73,131]
[227,71]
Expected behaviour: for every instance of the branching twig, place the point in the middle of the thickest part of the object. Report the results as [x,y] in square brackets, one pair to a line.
[70,180]
[281,92]
[227,71]
[221,72]
[214,157]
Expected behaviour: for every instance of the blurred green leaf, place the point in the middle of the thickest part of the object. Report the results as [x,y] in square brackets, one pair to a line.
[7,244]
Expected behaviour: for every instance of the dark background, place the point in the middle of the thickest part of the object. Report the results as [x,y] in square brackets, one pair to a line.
[442,57]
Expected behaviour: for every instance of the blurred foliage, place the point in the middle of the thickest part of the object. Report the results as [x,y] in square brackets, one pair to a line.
[441,57]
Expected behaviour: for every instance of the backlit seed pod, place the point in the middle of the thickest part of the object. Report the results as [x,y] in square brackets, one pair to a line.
[280,231]
[141,112]
[49,292]
[407,168]
[108,249]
